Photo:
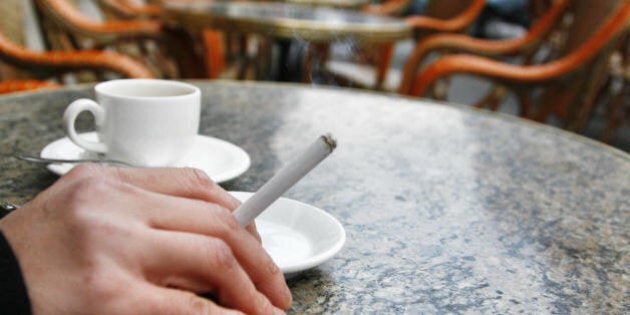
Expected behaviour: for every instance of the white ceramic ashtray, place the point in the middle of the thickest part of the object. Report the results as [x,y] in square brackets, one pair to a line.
[296,235]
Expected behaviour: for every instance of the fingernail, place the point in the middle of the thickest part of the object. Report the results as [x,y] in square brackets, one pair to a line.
[278,311]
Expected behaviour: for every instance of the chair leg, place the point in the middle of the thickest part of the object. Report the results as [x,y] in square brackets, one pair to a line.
[593,90]
[387,53]
[439,91]
[316,55]
[526,105]
[618,112]
[214,45]
[493,99]
[263,58]
[185,51]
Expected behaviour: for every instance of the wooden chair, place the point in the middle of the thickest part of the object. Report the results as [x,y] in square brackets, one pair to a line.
[25,69]
[565,87]
[43,69]
[47,63]
[615,96]
[129,9]
[169,51]
[19,85]
[213,45]
[452,16]
[525,48]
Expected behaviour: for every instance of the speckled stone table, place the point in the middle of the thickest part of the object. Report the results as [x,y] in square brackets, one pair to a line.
[447,209]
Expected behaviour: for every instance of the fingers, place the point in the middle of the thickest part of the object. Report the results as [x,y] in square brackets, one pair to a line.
[176,200]
[181,182]
[198,217]
[159,300]
[203,264]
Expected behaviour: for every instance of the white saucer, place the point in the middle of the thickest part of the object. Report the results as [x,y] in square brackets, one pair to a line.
[296,235]
[220,159]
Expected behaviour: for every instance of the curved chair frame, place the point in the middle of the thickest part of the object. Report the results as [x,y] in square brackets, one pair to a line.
[422,25]
[524,45]
[127,9]
[19,85]
[213,42]
[105,32]
[114,32]
[56,62]
[458,23]
[603,39]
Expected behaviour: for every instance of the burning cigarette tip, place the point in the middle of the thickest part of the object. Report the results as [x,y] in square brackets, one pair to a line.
[330,141]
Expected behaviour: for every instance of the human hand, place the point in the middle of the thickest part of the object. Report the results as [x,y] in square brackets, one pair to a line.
[106,240]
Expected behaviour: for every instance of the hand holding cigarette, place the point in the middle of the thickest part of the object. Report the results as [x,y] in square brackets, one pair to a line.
[285,179]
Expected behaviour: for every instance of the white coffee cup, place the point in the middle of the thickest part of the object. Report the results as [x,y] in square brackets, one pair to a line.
[144,122]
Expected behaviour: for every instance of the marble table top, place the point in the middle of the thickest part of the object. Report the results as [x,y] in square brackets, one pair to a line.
[446,209]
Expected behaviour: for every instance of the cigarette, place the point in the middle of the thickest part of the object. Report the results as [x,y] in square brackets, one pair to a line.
[285,179]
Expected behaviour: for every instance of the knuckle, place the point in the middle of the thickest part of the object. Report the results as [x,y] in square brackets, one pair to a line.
[85,191]
[263,306]
[272,268]
[198,185]
[198,179]
[84,170]
[83,208]
[101,285]
[219,254]
[202,178]
[197,305]
[229,225]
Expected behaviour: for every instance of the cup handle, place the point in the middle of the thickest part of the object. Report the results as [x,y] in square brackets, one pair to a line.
[70,115]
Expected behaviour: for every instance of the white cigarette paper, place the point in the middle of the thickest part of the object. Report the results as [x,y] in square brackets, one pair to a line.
[285,179]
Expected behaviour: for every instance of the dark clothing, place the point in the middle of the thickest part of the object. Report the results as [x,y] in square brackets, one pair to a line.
[13,295]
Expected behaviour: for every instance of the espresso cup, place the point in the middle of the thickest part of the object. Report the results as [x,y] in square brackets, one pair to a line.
[143,122]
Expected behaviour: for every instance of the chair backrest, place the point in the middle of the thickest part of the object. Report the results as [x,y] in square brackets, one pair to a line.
[126,9]
[586,18]
[11,30]
[525,47]
[452,16]
[69,20]
[574,97]
[566,86]
[11,24]
[148,40]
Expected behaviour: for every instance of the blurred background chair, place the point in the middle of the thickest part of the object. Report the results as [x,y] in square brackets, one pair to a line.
[22,68]
[126,9]
[562,89]
[525,49]
[225,55]
[50,63]
[615,96]
[168,50]
[370,67]
[19,85]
